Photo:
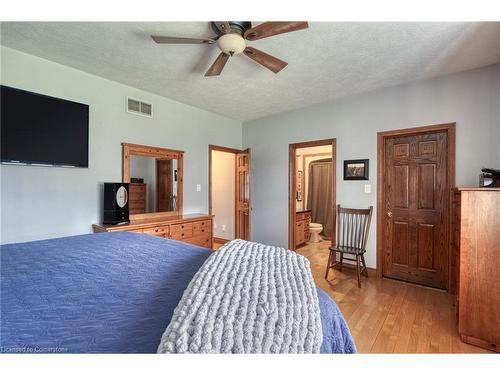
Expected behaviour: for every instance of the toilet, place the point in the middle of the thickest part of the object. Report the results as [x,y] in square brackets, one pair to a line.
[315,229]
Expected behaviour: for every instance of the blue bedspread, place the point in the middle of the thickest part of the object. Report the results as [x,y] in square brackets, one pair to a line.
[107,293]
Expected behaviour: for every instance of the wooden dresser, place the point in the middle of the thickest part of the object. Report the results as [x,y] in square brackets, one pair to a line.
[302,221]
[195,229]
[476,243]
[137,198]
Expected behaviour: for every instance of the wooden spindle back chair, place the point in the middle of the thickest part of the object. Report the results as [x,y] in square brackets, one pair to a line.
[353,226]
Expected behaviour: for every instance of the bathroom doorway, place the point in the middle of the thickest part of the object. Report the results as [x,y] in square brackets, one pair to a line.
[312,202]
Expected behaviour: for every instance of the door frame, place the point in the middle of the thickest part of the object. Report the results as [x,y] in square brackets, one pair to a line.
[450,129]
[292,183]
[234,151]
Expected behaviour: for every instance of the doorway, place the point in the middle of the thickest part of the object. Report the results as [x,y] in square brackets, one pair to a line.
[229,193]
[312,170]
[416,172]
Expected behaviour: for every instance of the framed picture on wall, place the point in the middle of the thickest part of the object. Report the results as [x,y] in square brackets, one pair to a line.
[356,169]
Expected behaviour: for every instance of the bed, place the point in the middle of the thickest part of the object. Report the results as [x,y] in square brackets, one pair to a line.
[108,293]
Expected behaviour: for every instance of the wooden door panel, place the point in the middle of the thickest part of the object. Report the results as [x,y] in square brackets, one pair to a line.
[400,243]
[415,200]
[425,246]
[400,191]
[426,183]
[427,148]
[401,150]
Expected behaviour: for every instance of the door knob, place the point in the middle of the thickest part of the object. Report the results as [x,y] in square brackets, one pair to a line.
[389,213]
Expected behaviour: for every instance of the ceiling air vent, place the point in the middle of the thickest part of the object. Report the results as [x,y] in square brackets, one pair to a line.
[139,107]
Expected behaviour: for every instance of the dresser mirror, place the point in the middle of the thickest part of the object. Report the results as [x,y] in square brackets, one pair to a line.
[155,178]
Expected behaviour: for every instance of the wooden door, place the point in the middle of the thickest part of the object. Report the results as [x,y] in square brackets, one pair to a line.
[164,185]
[415,201]
[243,195]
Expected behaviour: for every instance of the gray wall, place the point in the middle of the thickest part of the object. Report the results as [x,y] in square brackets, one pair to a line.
[471,99]
[45,202]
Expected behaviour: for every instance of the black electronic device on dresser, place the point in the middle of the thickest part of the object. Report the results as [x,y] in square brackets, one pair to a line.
[116,203]
[489,178]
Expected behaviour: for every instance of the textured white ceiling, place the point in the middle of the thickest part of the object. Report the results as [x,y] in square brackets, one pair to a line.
[327,61]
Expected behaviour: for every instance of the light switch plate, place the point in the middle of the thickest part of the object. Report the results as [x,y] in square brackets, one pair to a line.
[368,188]
[198,187]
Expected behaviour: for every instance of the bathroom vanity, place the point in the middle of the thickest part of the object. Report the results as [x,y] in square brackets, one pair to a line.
[302,221]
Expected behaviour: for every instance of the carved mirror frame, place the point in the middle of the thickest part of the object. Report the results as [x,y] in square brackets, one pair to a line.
[129,149]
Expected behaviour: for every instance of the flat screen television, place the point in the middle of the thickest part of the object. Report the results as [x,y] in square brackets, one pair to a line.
[42,130]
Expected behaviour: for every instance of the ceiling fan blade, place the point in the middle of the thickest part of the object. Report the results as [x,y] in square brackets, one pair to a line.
[270,62]
[179,40]
[267,29]
[218,65]
[224,27]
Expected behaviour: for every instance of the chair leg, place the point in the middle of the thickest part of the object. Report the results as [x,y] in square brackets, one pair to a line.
[359,271]
[328,264]
[365,270]
[341,261]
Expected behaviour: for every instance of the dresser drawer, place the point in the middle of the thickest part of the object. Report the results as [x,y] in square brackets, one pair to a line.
[303,216]
[195,229]
[161,231]
[299,225]
[204,240]
[201,227]
[181,231]
[300,216]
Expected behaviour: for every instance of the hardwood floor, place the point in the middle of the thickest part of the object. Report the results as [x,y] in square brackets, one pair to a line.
[388,316]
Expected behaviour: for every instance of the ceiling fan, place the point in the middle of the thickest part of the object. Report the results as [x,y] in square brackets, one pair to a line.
[231,38]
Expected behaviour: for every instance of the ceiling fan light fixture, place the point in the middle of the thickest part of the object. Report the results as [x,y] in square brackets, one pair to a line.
[231,37]
[231,44]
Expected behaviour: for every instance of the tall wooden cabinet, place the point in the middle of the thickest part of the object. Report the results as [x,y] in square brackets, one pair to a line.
[476,242]
[137,198]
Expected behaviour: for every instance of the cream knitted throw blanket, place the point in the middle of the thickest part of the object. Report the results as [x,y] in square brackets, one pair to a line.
[247,298]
